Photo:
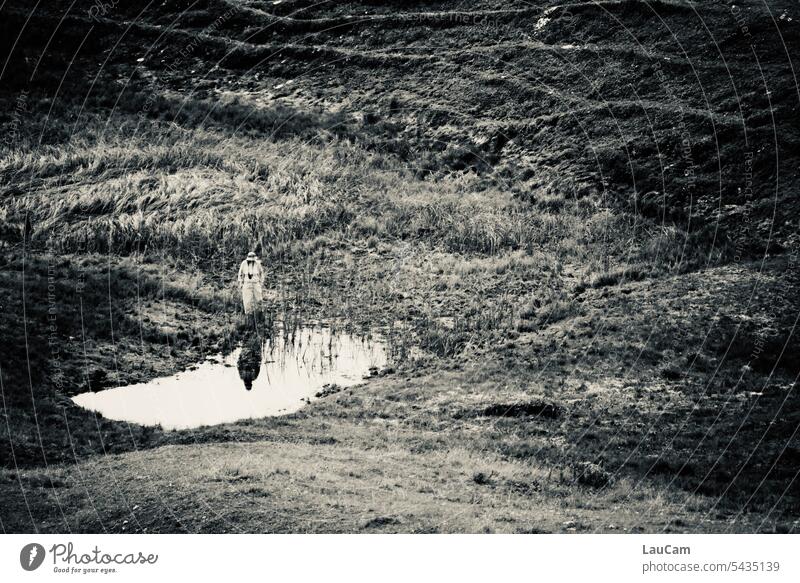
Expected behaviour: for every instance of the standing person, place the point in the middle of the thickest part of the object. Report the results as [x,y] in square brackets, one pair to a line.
[251,279]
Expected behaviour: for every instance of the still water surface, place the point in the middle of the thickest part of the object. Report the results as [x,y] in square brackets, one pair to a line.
[260,378]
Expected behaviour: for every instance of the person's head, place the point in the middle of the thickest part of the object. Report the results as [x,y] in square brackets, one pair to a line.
[251,257]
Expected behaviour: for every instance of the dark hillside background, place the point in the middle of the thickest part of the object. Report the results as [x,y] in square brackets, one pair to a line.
[685,113]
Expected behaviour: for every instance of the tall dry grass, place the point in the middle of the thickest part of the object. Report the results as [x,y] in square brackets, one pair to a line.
[200,182]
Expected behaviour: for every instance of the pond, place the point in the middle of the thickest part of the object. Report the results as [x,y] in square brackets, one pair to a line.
[262,377]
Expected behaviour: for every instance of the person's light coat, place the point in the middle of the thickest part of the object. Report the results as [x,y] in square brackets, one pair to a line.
[251,280]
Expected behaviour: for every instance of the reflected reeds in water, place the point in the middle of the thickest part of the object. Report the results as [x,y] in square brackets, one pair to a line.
[281,370]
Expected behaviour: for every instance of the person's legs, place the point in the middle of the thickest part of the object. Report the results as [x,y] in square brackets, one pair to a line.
[247,298]
[258,301]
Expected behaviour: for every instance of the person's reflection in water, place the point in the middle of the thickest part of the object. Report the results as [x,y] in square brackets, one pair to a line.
[249,363]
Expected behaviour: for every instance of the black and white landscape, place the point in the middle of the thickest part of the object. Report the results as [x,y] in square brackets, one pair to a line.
[529,267]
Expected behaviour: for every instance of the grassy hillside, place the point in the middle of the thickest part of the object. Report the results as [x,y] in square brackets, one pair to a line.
[594,204]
